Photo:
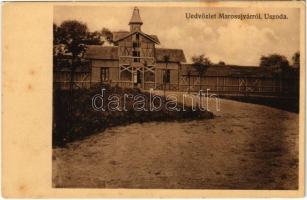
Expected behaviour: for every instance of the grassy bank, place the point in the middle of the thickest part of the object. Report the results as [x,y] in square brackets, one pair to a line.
[75,118]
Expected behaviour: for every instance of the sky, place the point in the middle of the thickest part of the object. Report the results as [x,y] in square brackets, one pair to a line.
[238,42]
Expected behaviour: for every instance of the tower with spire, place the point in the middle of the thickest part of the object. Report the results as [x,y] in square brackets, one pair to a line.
[135,21]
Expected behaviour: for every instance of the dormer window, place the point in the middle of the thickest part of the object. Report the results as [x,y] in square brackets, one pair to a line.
[136,44]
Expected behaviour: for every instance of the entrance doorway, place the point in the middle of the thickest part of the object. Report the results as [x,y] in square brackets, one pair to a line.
[137,79]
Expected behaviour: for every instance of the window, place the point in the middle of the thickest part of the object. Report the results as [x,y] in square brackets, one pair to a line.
[149,76]
[136,52]
[104,74]
[136,56]
[136,41]
[125,75]
[166,76]
[136,44]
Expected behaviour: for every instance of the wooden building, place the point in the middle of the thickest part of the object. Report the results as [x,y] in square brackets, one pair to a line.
[135,60]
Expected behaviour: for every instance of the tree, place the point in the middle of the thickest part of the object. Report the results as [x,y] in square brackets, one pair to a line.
[93,38]
[296,60]
[166,77]
[56,34]
[74,35]
[99,37]
[201,64]
[279,66]
[59,49]
[107,34]
[222,63]
[275,62]
[296,73]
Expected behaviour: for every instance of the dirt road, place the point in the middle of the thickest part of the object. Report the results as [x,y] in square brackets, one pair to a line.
[246,146]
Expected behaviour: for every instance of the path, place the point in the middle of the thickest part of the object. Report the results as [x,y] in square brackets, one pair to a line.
[246,146]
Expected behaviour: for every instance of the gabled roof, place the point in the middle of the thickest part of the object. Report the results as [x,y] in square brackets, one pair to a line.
[111,53]
[175,55]
[154,37]
[101,52]
[120,34]
[135,19]
[117,36]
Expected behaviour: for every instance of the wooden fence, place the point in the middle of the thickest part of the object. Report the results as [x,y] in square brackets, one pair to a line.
[220,85]
[237,86]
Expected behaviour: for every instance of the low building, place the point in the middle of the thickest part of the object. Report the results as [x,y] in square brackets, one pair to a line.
[229,79]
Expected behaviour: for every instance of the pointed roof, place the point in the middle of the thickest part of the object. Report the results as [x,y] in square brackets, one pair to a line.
[135,19]
[117,36]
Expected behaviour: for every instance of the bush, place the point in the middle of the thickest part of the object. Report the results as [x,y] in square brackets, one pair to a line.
[74,118]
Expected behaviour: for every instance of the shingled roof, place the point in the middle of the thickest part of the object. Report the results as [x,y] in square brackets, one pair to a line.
[111,53]
[175,55]
[154,37]
[135,19]
[101,52]
[120,34]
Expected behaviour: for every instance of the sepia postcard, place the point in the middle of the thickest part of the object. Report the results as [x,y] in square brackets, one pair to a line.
[153,99]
